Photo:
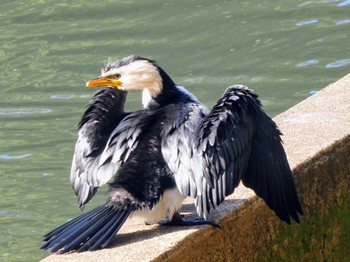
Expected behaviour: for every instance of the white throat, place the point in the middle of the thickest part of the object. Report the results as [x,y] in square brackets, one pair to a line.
[147,97]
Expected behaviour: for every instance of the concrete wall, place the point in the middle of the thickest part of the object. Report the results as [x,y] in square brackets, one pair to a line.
[317,141]
[253,233]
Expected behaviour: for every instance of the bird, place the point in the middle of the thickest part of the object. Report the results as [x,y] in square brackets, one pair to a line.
[172,148]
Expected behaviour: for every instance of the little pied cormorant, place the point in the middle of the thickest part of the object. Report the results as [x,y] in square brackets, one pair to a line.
[171,149]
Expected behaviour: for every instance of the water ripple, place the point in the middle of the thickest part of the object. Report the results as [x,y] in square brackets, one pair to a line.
[338,63]
[62,96]
[312,92]
[347,2]
[342,22]
[23,111]
[313,21]
[307,63]
[194,80]
[330,1]
[9,157]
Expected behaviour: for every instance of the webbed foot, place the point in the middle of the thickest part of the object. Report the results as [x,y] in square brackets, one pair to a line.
[179,220]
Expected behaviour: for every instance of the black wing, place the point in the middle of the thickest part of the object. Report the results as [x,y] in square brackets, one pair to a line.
[235,141]
[268,172]
[223,145]
[98,151]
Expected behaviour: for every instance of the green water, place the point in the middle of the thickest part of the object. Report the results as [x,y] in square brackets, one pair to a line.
[285,50]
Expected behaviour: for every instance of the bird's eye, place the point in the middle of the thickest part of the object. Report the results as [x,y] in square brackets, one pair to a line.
[117,75]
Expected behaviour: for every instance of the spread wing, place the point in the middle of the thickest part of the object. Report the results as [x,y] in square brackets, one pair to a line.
[223,145]
[268,172]
[235,141]
[106,136]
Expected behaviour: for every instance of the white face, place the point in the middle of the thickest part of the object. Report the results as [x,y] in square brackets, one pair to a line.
[140,75]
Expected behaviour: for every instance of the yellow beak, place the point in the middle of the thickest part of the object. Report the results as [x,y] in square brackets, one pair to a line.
[104,81]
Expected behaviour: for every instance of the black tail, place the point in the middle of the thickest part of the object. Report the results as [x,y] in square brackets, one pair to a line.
[92,230]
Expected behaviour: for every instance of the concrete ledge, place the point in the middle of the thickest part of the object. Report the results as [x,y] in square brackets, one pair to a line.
[317,141]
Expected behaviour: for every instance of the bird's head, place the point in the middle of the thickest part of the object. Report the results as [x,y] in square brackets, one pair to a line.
[130,73]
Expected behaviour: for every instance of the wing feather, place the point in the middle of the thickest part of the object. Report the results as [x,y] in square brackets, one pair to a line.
[106,137]
[235,141]
[268,172]
[223,141]
[203,150]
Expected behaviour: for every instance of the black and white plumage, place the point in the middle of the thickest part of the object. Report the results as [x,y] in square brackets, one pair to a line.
[173,148]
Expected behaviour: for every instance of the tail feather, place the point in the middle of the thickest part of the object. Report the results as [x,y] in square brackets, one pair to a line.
[69,223]
[89,231]
[106,234]
[81,232]
[71,228]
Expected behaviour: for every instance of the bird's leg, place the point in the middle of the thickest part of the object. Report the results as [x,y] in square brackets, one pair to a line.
[179,220]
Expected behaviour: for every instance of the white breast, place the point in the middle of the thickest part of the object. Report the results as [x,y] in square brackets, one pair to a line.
[169,203]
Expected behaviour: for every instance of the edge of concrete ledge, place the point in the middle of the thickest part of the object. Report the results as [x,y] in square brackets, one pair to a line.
[309,129]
